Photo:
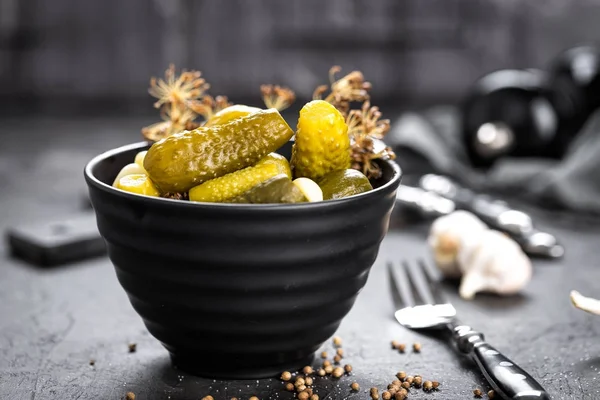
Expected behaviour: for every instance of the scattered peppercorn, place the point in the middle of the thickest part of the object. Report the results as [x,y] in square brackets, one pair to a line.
[491,394]
[374,393]
[129,396]
[436,384]
[401,375]
[329,369]
[477,393]
[289,387]
[299,381]
[386,395]
[324,354]
[405,385]
[307,370]
[209,397]
[340,352]
[417,347]
[401,347]
[286,376]
[314,397]
[132,347]
[427,386]
[348,368]
[417,381]
[338,372]
[326,363]
[308,380]
[321,372]
[355,386]
[337,341]
[253,398]
[92,362]
[303,396]
[337,359]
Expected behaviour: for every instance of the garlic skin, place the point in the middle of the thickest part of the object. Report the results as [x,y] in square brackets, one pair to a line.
[451,234]
[495,264]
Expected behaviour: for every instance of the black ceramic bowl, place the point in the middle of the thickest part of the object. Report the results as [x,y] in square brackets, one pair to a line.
[234,290]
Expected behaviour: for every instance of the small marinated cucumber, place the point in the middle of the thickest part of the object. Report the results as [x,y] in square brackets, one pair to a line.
[129,169]
[234,184]
[278,189]
[309,188]
[139,184]
[322,143]
[344,183]
[187,159]
[230,113]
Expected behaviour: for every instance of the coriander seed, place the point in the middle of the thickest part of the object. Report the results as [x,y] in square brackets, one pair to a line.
[300,388]
[491,394]
[299,381]
[307,370]
[309,391]
[417,347]
[395,344]
[403,391]
[355,386]
[92,362]
[286,376]
[321,372]
[337,359]
[399,396]
[132,347]
[234,398]
[436,384]
[338,372]
[314,397]
[401,375]
[393,389]
[348,368]
[391,386]
[427,386]
[324,354]
[129,396]
[405,385]
[417,381]
[340,352]
[253,398]
[396,382]
[386,395]
[337,341]
[401,347]
[326,363]
[477,393]
[329,369]
[308,381]
[410,379]
[289,387]
[209,397]
[303,396]
[374,393]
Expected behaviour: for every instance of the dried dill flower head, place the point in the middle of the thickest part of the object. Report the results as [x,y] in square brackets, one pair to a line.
[209,106]
[278,97]
[350,88]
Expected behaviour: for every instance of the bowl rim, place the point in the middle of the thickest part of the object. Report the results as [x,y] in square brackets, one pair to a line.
[95,182]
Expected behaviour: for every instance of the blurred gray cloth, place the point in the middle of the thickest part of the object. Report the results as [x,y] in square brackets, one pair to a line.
[572,183]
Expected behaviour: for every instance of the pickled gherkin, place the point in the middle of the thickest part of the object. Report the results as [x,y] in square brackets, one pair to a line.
[344,183]
[278,189]
[187,159]
[226,187]
[230,113]
[322,143]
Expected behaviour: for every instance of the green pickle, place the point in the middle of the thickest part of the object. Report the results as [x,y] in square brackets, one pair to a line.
[230,113]
[322,143]
[344,183]
[227,187]
[278,189]
[187,159]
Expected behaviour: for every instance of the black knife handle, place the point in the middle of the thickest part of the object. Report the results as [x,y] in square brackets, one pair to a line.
[507,378]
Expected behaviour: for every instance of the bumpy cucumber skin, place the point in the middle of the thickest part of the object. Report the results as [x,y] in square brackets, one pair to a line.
[344,183]
[223,188]
[322,143]
[187,159]
[230,113]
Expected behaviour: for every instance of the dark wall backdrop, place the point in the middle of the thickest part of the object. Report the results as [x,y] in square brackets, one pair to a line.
[79,56]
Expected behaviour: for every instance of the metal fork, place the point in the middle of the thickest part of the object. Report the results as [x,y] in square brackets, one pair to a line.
[421,304]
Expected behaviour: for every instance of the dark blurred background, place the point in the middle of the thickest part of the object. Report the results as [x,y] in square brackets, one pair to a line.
[76,58]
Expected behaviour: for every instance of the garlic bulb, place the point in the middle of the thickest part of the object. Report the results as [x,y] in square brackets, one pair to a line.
[451,233]
[495,264]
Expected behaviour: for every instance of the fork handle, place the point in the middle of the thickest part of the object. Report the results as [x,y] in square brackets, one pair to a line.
[507,378]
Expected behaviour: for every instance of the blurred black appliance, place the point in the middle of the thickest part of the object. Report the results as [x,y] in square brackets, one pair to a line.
[531,112]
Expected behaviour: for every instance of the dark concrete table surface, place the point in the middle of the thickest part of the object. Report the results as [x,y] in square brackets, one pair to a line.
[54,321]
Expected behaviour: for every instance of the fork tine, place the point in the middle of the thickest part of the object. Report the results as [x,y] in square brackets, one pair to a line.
[421,293]
[433,283]
[401,295]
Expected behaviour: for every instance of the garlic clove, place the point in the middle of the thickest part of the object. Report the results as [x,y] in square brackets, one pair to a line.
[129,169]
[584,303]
[471,284]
